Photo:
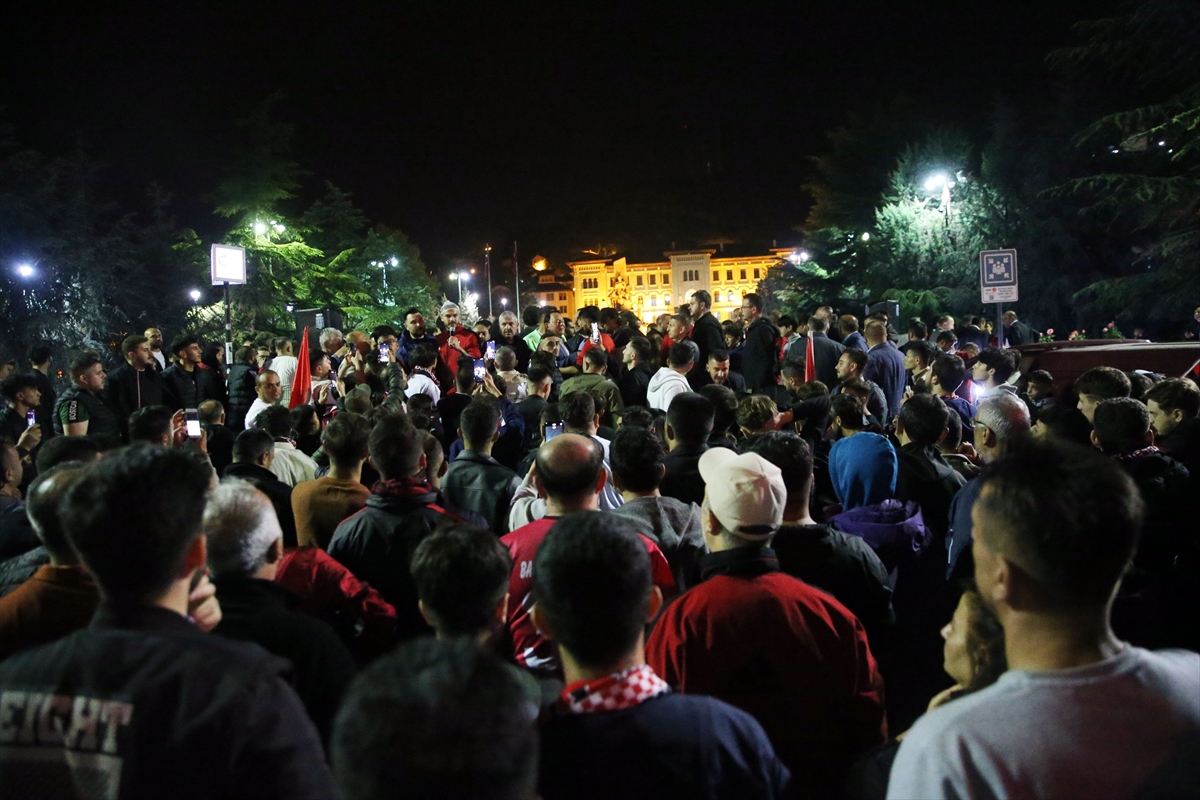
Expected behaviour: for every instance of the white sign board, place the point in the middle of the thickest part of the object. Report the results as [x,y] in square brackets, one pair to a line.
[227,264]
[998,276]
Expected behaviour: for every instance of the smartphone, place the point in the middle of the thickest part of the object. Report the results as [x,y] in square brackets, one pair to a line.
[30,419]
[480,370]
[383,351]
[552,429]
[490,351]
[596,332]
[193,423]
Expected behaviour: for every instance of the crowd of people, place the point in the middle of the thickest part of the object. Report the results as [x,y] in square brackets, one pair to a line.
[570,558]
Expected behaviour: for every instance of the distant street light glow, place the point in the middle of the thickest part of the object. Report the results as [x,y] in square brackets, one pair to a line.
[25,270]
[195,295]
[935,182]
[866,237]
[260,227]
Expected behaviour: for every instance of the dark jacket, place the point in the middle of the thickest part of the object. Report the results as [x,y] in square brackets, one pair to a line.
[670,747]
[634,383]
[45,409]
[846,567]
[1170,508]
[1183,445]
[885,366]
[826,353]
[263,612]
[1020,333]
[220,446]
[279,493]
[190,389]
[406,344]
[165,711]
[78,405]
[925,477]
[706,333]
[127,390]
[759,354]
[675,528]
[450,408]
[242,378]
[682,479]
[519,347]
[377,544]
[481,484]
[531,409]
[960,535]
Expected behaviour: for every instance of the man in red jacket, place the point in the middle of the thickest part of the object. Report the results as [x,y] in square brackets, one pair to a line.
[454,342]
[787,653]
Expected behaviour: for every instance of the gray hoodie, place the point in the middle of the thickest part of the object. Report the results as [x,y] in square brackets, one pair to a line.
[675,528]
[663,387]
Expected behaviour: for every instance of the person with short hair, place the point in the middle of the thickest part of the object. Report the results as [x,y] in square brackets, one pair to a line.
[82,409]
[918,361]
[539,386]
[245,549]
[253,456]
[923,475]
[189,382]
[706,330]
[1097,384]
[423,380]
[507,334]
[39,367]
[1017,332]
[759,361]
[474,480]
[885,366]
[1063,422]
[851,338]
[454,342]
[671,380]
[23,396]
[634,380]
[850,365]
[320,505]
[686,431]
[131,679]
[290,464]
[437,719]
[862,464]
[721,373]
[638,468]
[1079,712]
[377,543]
[58,597]
[725,406]
[516,383]
[269,391]
[839,563]
[757,413]
[413,336]
[946,374]
[1000,428]
[570,473]
[617,729]
[783,651]
[462,576]
[992,369]
[826,351]
[1174,406]
[155,338]
[135,384]
[594,379]
[152,425]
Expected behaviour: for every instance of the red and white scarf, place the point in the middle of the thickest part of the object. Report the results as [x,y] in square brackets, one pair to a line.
[612,693]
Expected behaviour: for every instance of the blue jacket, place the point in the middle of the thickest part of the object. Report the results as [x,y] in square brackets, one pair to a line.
[885,366]
[407,344]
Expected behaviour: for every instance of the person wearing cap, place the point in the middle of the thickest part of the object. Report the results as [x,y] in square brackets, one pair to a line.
[453,342]
[785,652]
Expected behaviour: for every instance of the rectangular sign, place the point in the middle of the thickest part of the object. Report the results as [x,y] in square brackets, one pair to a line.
[227,264]
[998,276]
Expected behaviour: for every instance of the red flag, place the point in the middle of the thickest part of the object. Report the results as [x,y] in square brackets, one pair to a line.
[810,363]
[302,384]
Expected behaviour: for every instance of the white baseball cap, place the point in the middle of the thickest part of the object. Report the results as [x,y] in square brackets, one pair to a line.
[745,492]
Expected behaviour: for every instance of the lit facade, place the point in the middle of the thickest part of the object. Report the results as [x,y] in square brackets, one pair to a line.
[659,287]
[550,292]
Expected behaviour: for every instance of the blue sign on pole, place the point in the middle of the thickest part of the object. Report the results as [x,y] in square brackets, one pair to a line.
[998,276]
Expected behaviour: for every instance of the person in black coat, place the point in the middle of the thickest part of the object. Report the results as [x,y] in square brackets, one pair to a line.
[706,330]
[253,453]
[759,351]
[189,382]
[135,384]
[245,546]
[826,351]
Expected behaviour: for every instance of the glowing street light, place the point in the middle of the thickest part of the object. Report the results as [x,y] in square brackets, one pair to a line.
[935,182]
[25,270]
[866,237]
[539,264]
[460,276]
[260,228]
[195,295]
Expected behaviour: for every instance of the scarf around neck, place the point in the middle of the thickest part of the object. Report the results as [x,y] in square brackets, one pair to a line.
[624,689]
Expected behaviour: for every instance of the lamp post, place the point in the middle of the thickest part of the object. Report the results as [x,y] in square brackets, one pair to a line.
[939,180]
[487,268]
[460,276]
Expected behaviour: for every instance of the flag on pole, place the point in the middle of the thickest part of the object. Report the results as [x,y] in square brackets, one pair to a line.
[810,363]
[302,384]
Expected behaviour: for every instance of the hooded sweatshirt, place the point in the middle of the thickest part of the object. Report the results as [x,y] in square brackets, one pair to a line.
[675,527]
[863,469]
[663,387]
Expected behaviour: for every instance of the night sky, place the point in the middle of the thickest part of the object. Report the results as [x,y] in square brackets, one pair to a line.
[560,125]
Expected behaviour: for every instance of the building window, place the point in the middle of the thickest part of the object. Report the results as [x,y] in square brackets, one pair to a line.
[743,274]
[728,274]
[652,278]
[639,280]
[755,274]
[716,276]
[666,279]
[654,302]
[716,297]
[562,296]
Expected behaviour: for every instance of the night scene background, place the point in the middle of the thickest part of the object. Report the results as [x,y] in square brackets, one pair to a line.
[134,136]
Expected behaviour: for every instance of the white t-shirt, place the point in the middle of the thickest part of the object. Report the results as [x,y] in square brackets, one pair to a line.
[257,407]
[291,465]
[1127,726]
[423,384]
[285,367]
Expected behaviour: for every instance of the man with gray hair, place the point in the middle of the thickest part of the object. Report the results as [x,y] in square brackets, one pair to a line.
[507,334]
[245,545]
[333,345]
[1001,425]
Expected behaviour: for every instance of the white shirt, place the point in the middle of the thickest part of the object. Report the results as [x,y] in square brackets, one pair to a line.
[1124,727]
[160,358]
[527,507]
[285,367]
[256,408]
[423,384]
[291,465]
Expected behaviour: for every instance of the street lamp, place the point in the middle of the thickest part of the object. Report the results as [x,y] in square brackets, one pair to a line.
[195,295]
[460,276]
[939,180]
[25,270]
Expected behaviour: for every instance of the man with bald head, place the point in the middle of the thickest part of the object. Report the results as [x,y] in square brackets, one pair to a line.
[569,472]
[154,338]
[269,389]
[1001,426]
[885,366]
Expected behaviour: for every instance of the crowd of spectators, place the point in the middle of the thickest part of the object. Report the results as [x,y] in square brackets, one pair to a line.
[582,558]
